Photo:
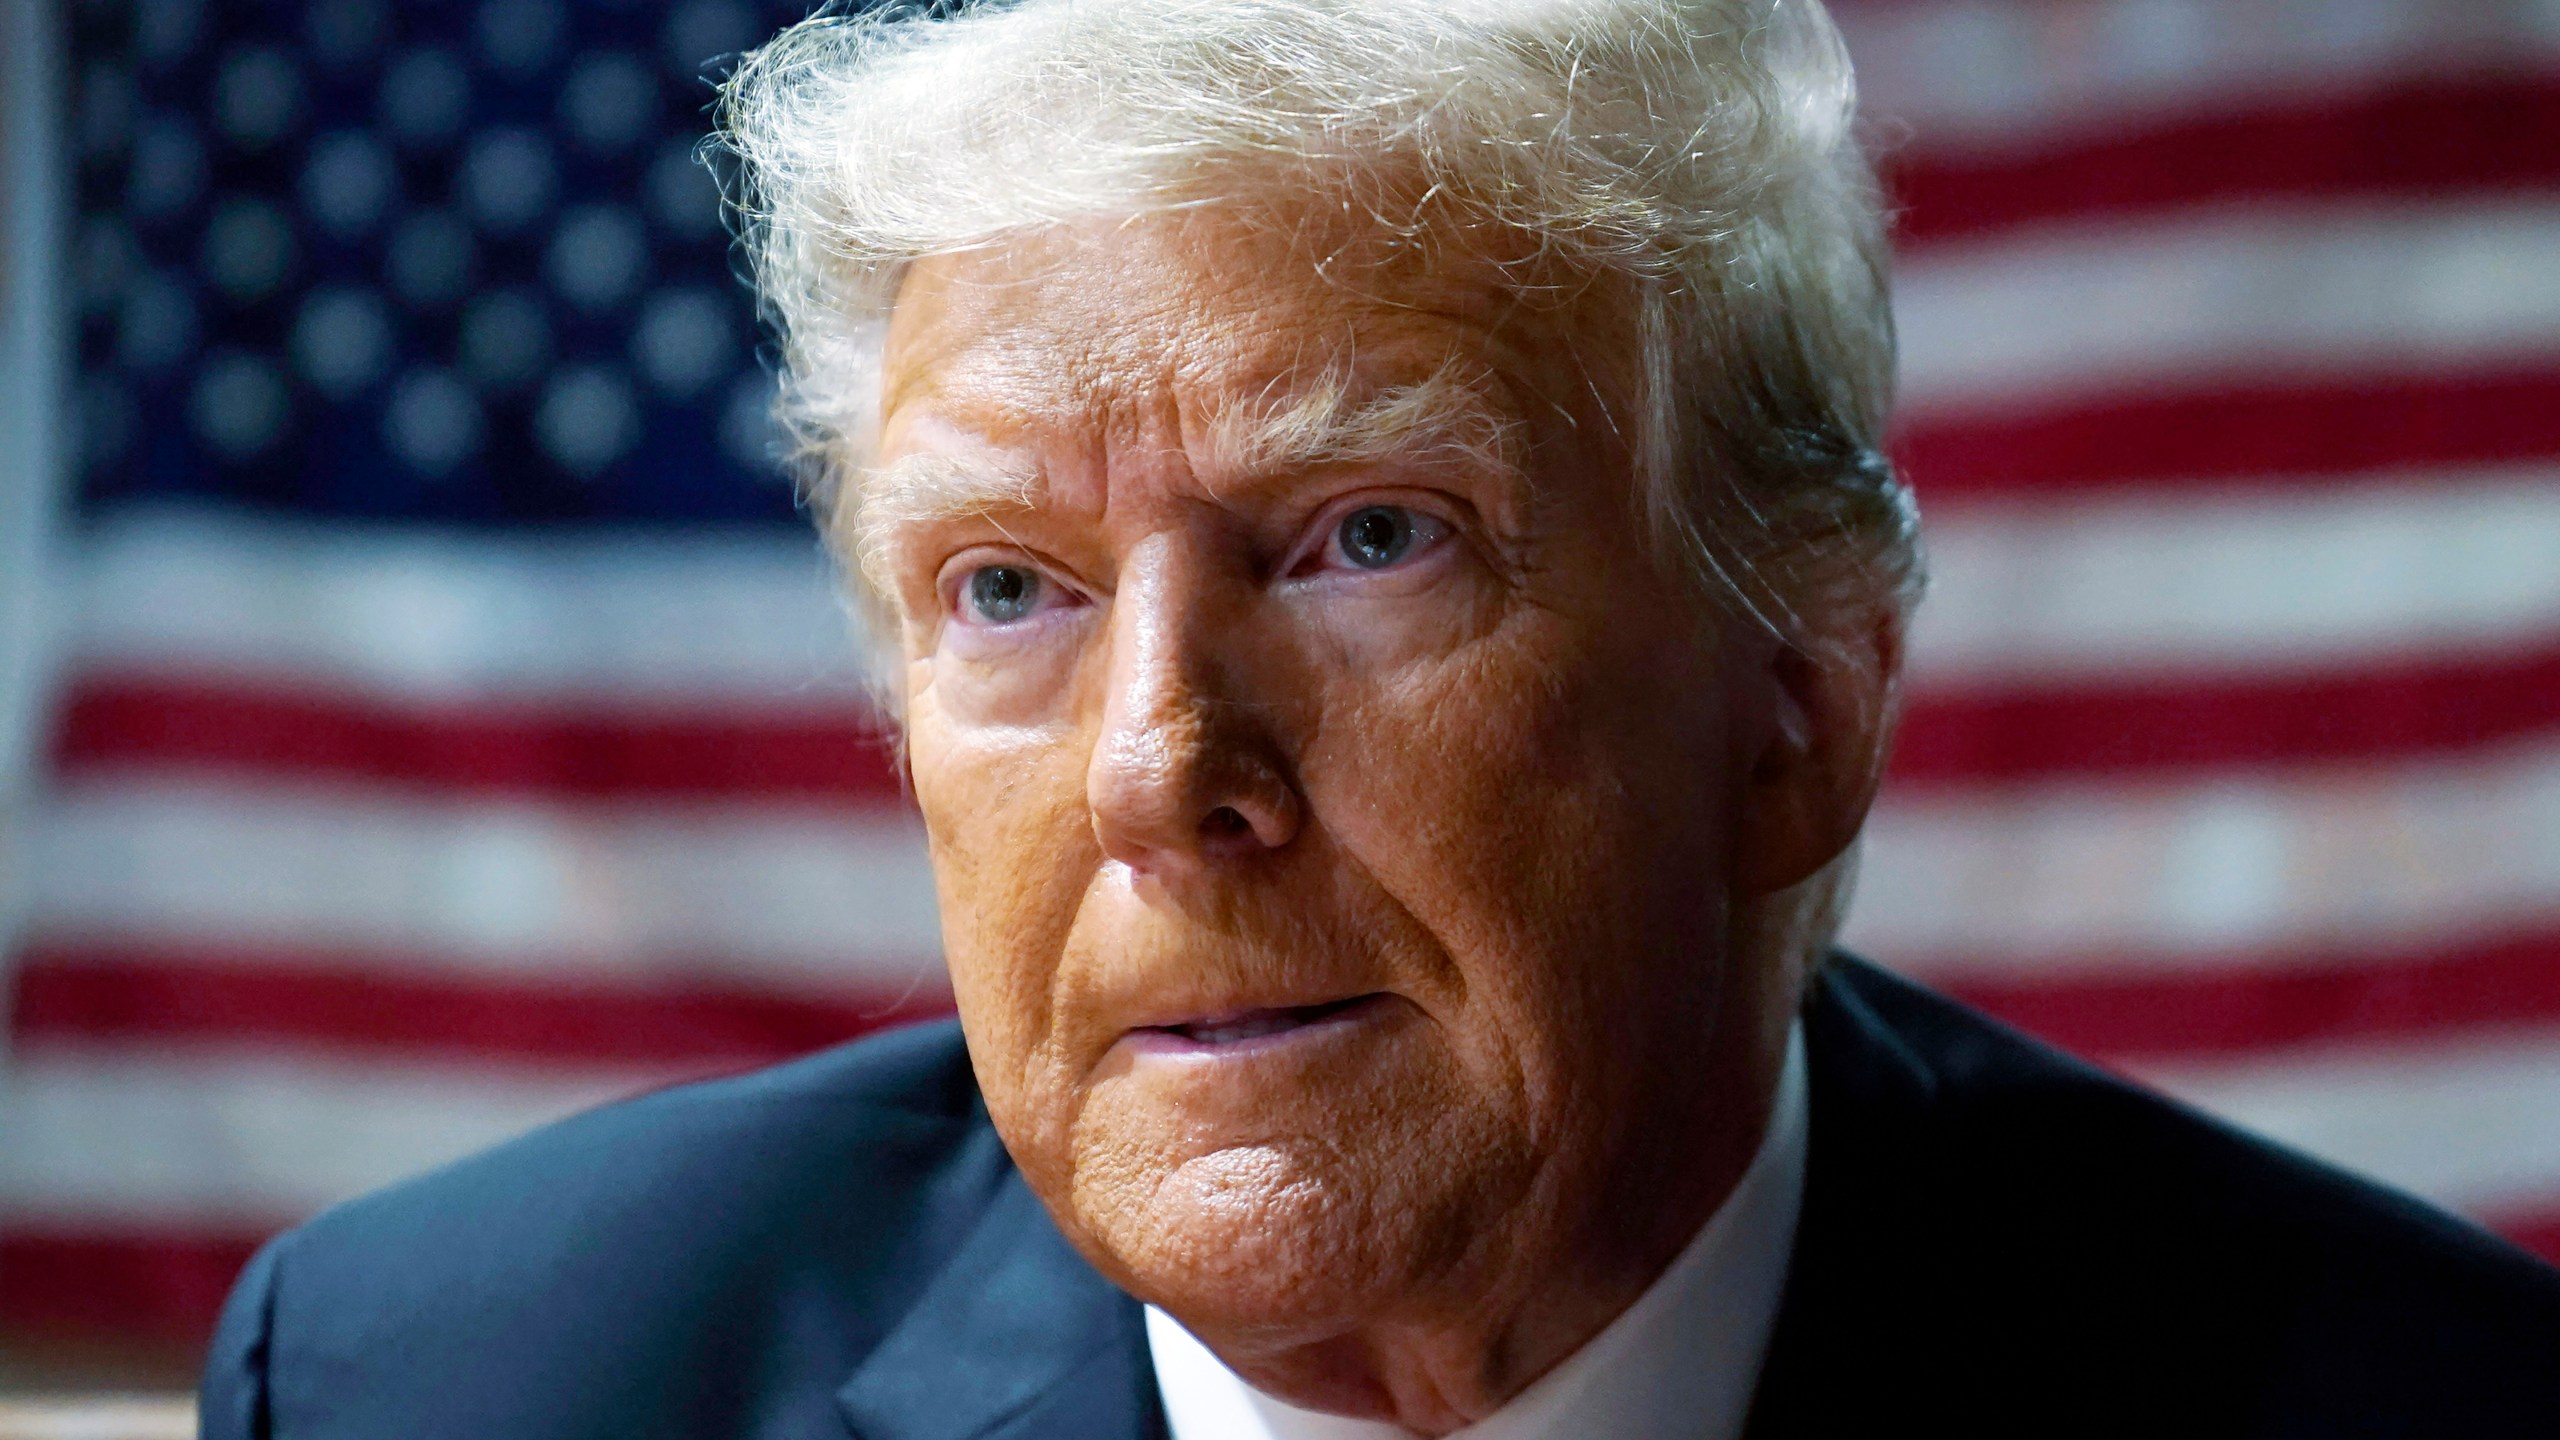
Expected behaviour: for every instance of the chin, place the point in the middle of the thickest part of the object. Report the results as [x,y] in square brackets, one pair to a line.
[1258,1239]
[1295,1235]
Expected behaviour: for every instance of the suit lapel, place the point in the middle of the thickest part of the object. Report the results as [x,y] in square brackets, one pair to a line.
[1017,1337]
[1850,1345]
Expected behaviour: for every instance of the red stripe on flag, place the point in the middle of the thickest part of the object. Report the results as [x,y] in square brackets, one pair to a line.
[2537,1232]
[2240,1005]
[121,719]
[2399,709]
[165,1288]
[2306,430]
[2417,141]
[366,1004]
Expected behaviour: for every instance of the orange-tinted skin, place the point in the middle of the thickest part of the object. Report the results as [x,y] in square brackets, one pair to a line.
[1513,785]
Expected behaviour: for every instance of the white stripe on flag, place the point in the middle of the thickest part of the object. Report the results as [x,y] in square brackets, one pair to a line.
[109,1136]
[770,893]
[2473,1126]
[746,617]
[2081,309]
[1988,77]
[2285,577]
[2026,883]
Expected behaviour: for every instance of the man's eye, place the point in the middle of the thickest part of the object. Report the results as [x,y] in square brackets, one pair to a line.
[1376,536]
[1001,594]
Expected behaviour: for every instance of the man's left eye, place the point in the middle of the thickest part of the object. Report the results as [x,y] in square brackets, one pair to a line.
[1001,594]
[1376,537]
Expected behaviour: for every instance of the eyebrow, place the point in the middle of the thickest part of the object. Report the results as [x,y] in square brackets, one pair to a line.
[922,489]
[927,486]
[1444,418]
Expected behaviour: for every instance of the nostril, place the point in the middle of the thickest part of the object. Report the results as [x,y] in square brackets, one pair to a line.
[1225,822]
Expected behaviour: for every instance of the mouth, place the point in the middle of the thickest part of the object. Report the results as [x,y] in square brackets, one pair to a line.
[1238,1029]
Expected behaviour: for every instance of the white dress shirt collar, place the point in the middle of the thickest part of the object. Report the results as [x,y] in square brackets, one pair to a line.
[1678,1364]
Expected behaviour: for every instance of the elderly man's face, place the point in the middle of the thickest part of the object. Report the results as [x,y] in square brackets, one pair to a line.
[1334,806]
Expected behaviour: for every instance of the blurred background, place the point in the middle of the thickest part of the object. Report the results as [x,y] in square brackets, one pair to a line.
[423,712]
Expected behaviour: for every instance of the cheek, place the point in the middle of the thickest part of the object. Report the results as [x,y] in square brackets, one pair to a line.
[1550,820]
[1447,773]
[1012,850]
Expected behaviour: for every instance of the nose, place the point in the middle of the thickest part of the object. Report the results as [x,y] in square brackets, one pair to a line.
[1187,772]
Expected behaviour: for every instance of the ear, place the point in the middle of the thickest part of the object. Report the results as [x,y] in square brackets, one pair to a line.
[1819,753]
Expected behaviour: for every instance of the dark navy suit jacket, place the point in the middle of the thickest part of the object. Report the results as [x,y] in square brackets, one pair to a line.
[1996,1241]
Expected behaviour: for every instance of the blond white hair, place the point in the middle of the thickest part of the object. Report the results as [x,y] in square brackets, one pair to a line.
[1702,149]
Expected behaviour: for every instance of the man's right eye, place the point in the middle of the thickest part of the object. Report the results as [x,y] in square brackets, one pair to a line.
[1001,594]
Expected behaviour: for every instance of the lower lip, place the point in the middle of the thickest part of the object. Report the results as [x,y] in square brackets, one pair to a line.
[1263,1035]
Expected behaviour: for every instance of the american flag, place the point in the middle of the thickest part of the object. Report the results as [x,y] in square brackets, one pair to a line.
[452,724]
